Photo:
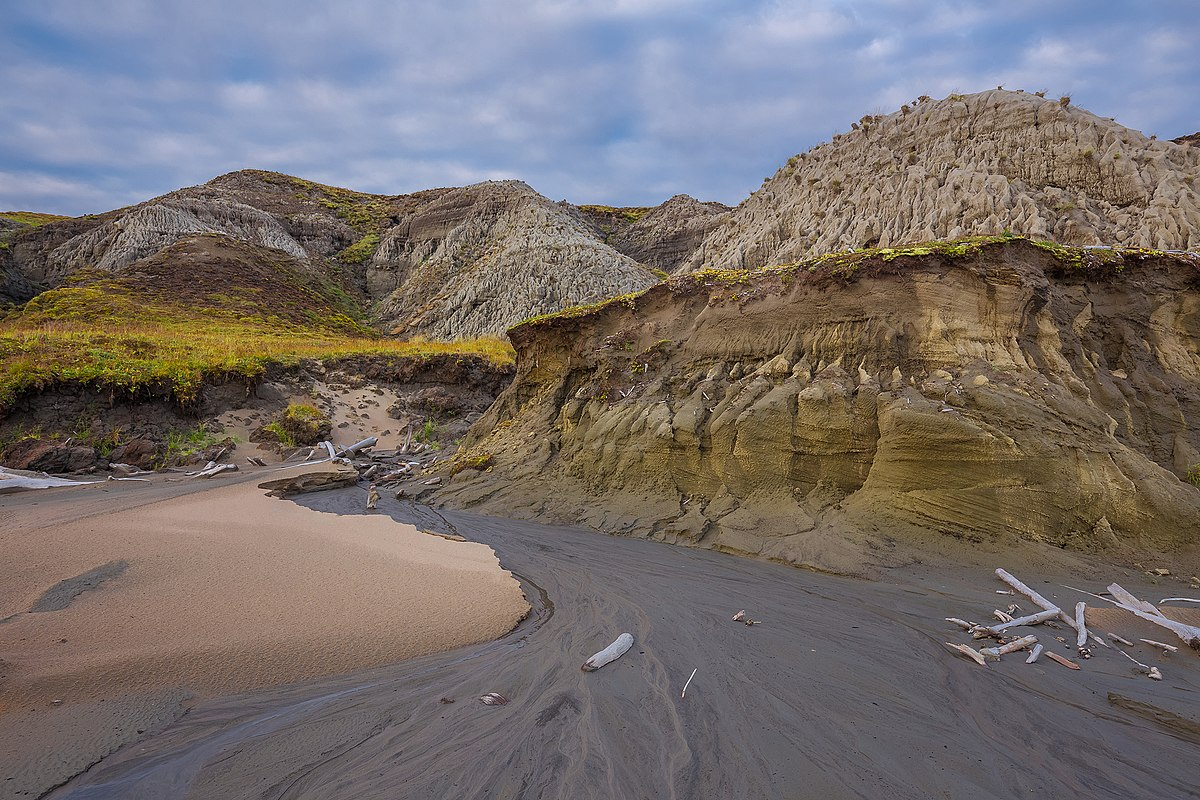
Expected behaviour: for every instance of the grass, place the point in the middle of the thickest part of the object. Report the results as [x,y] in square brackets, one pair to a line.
[299,424]
[32,218]
[360,251]
[177,358]
[182,443]
[627,213]
[846,264]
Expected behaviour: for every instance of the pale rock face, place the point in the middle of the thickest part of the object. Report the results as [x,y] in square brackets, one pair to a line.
[487,256]
[149,228]
[968,165]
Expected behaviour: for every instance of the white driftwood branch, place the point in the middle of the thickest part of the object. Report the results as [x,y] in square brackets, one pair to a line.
[329,447]
[1120,639]
[1033,656]
[370,441]
[968,652]
[683,694]
[1034,596]
[1123,596]
[1080,624]
[962,623]
[1002,615]
[213,469]
[611,653]
[1032,619]
[1178,600]
[1016,644]
[1172,648]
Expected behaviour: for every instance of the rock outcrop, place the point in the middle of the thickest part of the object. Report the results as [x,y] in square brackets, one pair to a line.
[662,238]
[968,165]
[478,259]
[990,391]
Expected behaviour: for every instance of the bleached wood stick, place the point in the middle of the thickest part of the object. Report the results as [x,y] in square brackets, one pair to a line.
[1016,644]
[213,469]
[370,441]
[1034,596]
[968,652]
[1080,624]
[962,623]
[1190,634]
[1153,643]
[1123,596]
[1037,651]
[683,694]
[610,653]
[1002,616]
[1032,619]
[1120,639]
[1177,600]
[329,447]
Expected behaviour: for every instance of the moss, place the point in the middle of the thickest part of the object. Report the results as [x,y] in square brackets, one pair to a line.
[477,461]
[1193,475]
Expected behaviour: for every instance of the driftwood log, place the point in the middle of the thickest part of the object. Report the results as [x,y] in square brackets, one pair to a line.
[1034,596]
[1080,624]
[1032,619]
[310,482]
[611,653]
[1013,646]
[1033,655]
[365,444]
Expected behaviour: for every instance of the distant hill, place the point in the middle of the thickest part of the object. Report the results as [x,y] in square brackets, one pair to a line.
[968,165]
[444,263]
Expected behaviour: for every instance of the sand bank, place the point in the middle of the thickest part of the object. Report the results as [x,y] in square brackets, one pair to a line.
[219,591]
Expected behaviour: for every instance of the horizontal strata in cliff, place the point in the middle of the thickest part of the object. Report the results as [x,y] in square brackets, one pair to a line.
[993,389]
[968,165]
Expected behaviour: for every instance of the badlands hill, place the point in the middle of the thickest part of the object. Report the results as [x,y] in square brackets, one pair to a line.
[444,263]
[978,164]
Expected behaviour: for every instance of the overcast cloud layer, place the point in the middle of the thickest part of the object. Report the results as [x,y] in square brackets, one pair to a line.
[624,102]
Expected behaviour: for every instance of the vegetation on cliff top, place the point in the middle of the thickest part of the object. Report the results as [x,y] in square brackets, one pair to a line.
[846,264]
[31,218]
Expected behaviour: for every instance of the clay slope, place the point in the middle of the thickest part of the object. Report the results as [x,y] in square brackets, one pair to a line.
[444,263]
[662,238]
[478,259]
[968,165]
[990,391]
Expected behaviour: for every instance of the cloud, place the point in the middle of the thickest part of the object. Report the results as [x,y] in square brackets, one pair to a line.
[622,102]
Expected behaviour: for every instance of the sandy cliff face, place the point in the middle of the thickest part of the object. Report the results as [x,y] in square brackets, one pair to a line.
[819,414]
[968,165]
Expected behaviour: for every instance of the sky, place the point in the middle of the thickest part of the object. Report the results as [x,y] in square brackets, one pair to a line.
[621,102]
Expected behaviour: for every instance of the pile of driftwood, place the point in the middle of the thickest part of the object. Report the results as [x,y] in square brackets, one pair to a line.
[380,467]
[1002,632]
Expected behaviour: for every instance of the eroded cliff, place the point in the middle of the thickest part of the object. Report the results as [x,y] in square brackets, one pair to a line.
[991,390]
[968,165]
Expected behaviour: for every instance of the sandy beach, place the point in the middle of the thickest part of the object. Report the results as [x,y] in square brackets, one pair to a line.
[218,590]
